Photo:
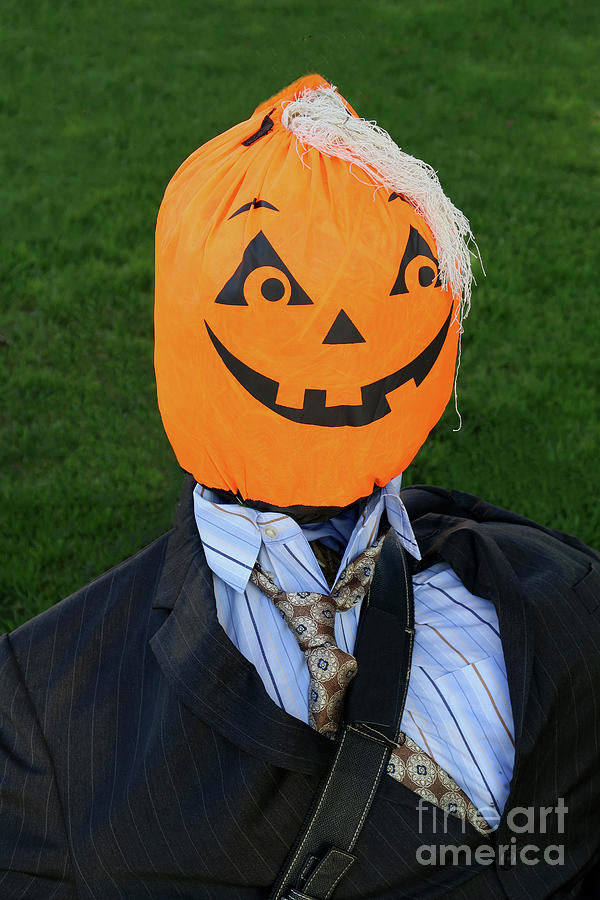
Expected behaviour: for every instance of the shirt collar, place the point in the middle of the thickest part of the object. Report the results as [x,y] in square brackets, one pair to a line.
[232,534]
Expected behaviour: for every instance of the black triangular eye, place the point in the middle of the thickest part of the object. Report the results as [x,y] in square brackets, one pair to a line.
[258,253]
[416,246]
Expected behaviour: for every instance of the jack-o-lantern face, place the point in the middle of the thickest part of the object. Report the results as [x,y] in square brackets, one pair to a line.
[304,344]
[263,275]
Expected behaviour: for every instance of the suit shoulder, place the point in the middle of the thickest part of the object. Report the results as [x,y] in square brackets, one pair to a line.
[485,543]
[452,524]
[431,507]
[116,595]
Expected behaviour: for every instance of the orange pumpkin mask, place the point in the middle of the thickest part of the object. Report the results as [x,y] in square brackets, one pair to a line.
[306,334]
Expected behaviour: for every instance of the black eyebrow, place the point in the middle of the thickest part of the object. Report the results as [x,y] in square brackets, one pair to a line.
[254,204]
[265,127]
[395,196]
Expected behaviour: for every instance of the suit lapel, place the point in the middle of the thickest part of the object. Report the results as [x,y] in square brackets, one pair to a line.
[208,673]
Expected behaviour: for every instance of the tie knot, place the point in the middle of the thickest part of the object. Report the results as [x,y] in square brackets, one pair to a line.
[351,585]
[310,616]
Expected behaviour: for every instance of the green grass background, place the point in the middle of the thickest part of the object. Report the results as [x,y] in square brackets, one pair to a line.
[100,104]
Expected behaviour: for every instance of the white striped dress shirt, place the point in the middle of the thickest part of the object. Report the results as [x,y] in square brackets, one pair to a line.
[457,708]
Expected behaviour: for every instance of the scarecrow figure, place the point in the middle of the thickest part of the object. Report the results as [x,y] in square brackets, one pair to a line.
[315,684]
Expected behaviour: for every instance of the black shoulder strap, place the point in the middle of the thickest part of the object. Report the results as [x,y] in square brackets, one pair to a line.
[322,852]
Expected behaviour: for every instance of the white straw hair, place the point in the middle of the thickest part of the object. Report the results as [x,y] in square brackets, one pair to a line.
[319,118]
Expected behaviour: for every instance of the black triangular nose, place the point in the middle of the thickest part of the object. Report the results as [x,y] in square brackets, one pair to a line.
[343,331]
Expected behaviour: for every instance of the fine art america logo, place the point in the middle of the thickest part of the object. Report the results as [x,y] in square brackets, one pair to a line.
[520,820]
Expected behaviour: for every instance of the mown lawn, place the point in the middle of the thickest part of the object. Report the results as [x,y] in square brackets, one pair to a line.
[101,102]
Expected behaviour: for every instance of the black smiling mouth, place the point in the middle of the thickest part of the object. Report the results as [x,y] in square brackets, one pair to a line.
[374,403]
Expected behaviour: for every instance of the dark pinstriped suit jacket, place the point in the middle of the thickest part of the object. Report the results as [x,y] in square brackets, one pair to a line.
[140,755]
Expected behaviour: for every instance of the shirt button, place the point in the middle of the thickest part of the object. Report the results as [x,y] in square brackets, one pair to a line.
[271,531]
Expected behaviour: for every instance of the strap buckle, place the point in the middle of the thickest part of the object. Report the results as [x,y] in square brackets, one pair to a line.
[321,877]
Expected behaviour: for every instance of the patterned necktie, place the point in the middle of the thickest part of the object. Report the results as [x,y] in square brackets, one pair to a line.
[415,769]
[311,617]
